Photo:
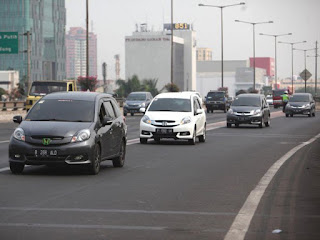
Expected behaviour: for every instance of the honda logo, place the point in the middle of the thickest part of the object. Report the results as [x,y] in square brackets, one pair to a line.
[164,124]
[46,141]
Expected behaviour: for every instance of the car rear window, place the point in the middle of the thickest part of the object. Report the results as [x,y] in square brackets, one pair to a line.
[64,110]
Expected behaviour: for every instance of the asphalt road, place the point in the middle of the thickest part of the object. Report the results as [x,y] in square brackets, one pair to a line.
[173,190]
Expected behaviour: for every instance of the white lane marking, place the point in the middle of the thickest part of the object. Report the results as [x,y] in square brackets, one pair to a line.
[243,219]
[130,211]
[6,141]
[4,169]
[79,226]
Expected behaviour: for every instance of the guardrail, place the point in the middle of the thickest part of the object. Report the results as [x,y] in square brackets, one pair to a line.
[13,106]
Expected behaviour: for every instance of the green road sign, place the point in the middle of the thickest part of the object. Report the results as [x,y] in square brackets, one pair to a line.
[9,42]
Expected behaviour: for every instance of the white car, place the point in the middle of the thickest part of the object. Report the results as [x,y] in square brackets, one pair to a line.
[269,99]
[174,115]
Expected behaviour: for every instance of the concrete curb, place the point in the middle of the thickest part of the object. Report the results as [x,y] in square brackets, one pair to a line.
[6,116]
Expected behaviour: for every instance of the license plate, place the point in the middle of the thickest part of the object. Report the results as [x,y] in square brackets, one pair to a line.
[45,153]
[164,131]
[242,118]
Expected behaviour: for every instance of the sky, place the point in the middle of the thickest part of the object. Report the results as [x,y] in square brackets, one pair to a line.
[112,20]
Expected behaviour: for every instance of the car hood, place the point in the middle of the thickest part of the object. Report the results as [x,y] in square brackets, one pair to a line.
[244,108]
[169,116]
[298,104]
[135,102]
[53,129]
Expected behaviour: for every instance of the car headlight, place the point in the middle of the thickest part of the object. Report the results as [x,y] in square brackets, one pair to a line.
[19,134]
[306,105]
[288,105]
[146,119]
[186,120]
[257,112]
[143,105]
[81,136]
[125,105]
[230,111]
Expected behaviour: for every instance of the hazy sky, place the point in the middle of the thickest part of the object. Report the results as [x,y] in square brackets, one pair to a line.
[115,19]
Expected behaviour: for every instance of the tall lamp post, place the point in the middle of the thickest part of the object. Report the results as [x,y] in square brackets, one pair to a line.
[305,63]
[221,8]
[254,47]
[172,42]
[275,52]
[87,38]
[292,44]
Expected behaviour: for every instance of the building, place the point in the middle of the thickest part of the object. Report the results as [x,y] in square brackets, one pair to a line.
[266,63]
[9,80]
[209,75]
[148,55]
[76,59]
[244,79]
[46,20]
[204,54]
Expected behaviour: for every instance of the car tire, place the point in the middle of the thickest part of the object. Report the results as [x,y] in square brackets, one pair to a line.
[202,138]
[314,113]
[124,114]
[237,125]
[261,124]
[118,162]
[267,123]
[309,115]
[291,115]
[211,111]
[94,166]
[132,114]
[16,168]
[228,125]
[208,110]
[287,114]
[157,139]
[193,140]
[143,140]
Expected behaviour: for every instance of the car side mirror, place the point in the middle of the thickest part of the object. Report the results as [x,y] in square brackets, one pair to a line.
[107,121]
[142,110]
[199,111]
[17,119]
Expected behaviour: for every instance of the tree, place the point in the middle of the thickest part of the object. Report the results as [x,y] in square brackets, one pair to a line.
[241,91]
[171,87]
[2,92]
[126,87]
[87,83]
[250,90]
[150,85]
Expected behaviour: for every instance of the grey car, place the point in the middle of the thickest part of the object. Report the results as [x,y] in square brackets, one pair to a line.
[70,128]
[249,109]
[135,101]
[301,103]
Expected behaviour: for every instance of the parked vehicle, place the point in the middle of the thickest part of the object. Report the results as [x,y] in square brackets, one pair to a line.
[135,101]
[216,100]
[70,129]
[41,88]
[174,115]
[249,109]
[301,103]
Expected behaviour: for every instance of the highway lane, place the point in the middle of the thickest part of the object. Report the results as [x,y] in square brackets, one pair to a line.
[166,191]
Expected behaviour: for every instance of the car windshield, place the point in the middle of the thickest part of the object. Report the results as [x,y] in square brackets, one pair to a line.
[216,96]
[136,97]
[247,101]
[63,110]
[171,105]
[278,93]
[299,98]
[44,88]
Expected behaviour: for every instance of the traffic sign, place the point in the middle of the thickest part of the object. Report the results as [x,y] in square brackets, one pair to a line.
[305,75]
[9,42]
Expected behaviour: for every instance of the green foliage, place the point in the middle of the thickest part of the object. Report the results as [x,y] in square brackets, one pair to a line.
[150,85]
[171,87]
[2,92]
[87,83]
[241,91]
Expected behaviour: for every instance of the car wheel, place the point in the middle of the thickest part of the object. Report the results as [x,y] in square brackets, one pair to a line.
[157,139]
[132,114]
[202,138]
[267,124]
[228,125]
[124,114]
[193,140]
[314,113]
[143,140]
[237,125]
[291,115]
[208,110]
[309,115]
[211,111]
[287,114]
[261,124]
[16,168]
[94,166]
[118,162]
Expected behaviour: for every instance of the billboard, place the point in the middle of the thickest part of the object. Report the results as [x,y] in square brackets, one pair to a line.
[9,42]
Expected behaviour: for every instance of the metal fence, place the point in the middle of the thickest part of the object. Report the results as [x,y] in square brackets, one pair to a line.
[13,106]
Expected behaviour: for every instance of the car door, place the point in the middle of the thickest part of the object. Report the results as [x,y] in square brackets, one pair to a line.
[114,128]
[119,126]
[266,110]
[104,132]
[197,117]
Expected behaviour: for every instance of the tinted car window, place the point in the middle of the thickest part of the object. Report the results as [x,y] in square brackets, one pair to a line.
[116,108]
[299,98]
[171,104]
[216,95]
[62,110]
[43,88]
[136,97]
[109,110]
[247,101]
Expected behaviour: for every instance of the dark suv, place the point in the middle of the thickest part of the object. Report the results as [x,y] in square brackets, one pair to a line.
[216,100]
[70,128]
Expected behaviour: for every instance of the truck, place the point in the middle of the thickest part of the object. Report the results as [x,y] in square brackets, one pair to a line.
[39,89]
[277,96]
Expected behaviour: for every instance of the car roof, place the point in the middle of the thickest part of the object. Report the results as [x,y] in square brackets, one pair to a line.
[85,96]
[184,95]
[250,95]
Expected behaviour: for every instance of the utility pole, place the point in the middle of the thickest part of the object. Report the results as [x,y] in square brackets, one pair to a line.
[87,40]
[28,51]
[172,41]
[104,74]
[316,68]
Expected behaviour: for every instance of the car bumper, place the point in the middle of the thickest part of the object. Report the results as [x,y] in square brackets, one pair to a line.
[234,119]
[70,154]
[298,111]
[131,109]
[216,106]
[177,132]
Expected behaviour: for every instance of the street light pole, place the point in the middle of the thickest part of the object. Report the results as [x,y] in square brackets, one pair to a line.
[292,44]
[222,56]
[305,64]
[172,42]
[254,46]
[275,53]
[87,39]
